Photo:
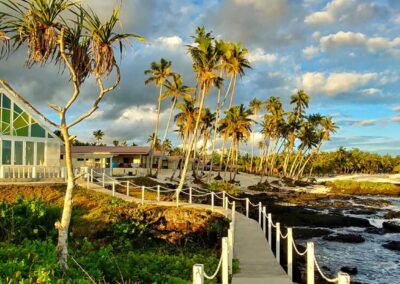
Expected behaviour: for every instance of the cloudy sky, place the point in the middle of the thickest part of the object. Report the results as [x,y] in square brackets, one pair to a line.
[344,53]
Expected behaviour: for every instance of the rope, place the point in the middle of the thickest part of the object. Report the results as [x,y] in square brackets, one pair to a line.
[235,198]
[255,205]
[297,250]
[283,236]
[332,280]
[216,271]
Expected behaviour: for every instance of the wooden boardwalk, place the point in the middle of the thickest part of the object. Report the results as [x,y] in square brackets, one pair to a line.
[257,262]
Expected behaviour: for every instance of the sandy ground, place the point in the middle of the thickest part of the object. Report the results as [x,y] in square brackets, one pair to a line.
[386,178]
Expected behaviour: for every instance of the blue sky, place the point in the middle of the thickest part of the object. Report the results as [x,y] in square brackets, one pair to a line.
[344,53]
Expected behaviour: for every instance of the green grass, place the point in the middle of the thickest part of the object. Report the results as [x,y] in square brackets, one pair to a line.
[363,187]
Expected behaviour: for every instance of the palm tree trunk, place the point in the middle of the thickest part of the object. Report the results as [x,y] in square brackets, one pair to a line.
[221,158]
[152,149]
[294,162]
[233,91]
[228,159]
[63,225]
[236,159]
[185,167]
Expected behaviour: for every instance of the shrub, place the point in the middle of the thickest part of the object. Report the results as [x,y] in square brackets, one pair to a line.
[221,185]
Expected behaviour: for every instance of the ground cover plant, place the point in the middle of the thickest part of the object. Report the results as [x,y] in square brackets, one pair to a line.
[111,240]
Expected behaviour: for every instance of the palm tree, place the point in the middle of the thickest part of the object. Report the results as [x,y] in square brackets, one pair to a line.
[159,73]
[255,106]
[50,35]
[237,125]
[207,120]
[98,135]
[115,143]
[205,62]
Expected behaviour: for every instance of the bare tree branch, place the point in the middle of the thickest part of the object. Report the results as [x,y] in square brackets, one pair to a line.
[102,93]
[31,107]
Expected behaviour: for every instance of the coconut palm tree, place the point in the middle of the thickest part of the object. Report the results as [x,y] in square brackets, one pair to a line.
[98,135]
[207,120]
[205,63]
[50,33]
[255,106]
[158,74]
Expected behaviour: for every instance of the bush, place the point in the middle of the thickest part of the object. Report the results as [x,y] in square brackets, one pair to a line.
[364,187]
[221,185]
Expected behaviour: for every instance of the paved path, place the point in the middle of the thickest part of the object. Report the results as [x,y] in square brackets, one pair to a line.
[257,262]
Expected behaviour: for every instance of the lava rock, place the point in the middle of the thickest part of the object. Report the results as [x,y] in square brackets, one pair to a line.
[375,230]
[368,211]
[352,270]
[392,245]
[308,233]
[345,238]
[392,214]
[391,227]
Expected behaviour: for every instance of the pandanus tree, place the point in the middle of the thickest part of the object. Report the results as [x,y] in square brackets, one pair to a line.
[84,46]
[158,74]
[205,63]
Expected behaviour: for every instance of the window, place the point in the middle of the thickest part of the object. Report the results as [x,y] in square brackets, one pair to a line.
[61,157]
[81,159]
[6,151]
[18,152]
[30,150]
[40,153]
[37,131]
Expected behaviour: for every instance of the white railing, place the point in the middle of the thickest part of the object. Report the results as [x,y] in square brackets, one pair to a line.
[31,172]
[226,258]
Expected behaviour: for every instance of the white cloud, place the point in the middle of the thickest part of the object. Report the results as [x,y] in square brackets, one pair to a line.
[170,42]
[396,118]
[396,109]
[259,55]
[333,84]
[332,10]
[310,51]
[371,91]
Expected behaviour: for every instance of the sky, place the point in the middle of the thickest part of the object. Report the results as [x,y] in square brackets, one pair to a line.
[344,53]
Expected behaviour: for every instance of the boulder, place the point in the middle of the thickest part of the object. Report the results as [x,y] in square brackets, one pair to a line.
[375,230]
[352,270]
[345,238]
[392,245]
[391,227]
[392,214]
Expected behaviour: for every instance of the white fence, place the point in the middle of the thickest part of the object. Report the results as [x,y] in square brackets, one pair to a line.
[28,172]
[226,258]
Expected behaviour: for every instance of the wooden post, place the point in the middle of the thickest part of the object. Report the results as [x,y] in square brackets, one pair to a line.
[290,253]
[226,203]
[127,188]
[259,213]
[343,278]
[198,274]
[230,246]
[87,181]
[270,229]
[158,193]
[104,179]
[264,213]
[310,263]
[142,194]
[113,188]
[278,242]
[223,200]
[233,213]
[91,175]
[225,261]
[212,201]
[247,207]
[190,195]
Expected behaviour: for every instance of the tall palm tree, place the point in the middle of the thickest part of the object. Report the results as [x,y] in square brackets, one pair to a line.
[255,106]
[205,62]
[159,73]
[98,135]
[237,125]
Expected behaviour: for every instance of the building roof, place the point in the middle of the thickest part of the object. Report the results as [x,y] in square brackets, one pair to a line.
[116,150]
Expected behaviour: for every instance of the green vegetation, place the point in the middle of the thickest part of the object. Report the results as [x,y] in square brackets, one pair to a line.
[221,185]
[364,187]
[111,240]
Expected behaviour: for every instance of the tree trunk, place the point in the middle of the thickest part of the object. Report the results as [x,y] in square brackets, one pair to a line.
[63,225]
[252,153]
[221,158]
[155,132]
[233,91]
[185,166]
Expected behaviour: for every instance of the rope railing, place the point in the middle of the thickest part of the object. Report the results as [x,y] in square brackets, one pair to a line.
[226,258]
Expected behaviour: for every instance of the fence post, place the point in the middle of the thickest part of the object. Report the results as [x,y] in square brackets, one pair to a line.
[247,207]
[226,203]
[104,179]
[278,242]
[223,200]
[264,213]
[343,278]
[233,213]
[34,172]
[158,193]
[1,171]
[290,253]
[225,261]
[142,194]
[230,246]
[127,188]
[198,274]
[259,213]
[91,175]
[87,180]
[113,188]
[212,201]
[270,229]
[310,263]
